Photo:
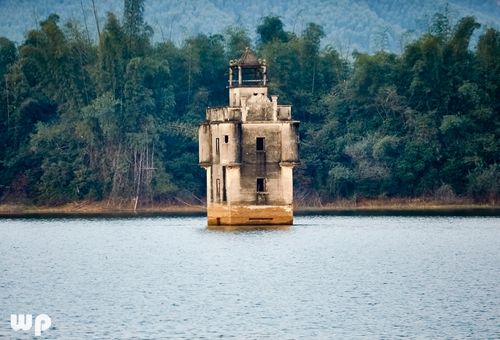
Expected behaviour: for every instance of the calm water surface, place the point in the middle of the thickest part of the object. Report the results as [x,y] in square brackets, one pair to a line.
[325,277]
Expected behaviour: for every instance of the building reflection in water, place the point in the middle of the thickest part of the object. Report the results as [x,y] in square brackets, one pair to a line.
[248,228]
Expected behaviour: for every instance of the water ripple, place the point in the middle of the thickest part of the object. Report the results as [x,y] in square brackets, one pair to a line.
[325,277]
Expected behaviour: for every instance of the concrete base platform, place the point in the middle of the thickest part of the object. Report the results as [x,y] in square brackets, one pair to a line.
[219,214]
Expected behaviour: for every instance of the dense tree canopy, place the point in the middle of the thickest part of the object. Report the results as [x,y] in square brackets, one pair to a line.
[116,120]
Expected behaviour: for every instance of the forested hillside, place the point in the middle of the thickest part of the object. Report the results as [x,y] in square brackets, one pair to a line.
[364,25]
[115,119]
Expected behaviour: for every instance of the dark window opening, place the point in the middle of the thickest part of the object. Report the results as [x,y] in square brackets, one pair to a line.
[217,145]
[211,185]
[260,144]
[224,195]
[226,139]
[252,75]
[261,185]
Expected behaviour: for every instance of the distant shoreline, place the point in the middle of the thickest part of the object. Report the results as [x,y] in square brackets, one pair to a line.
[345,207]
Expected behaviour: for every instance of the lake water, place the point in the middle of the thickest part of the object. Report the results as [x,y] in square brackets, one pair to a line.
[325,277]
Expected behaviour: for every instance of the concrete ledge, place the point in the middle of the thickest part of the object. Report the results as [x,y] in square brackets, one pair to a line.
[218,214]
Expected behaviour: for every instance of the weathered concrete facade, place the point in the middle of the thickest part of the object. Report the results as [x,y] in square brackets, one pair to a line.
[249,149]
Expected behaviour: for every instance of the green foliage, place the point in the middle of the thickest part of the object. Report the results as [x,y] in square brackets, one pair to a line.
[116,120]
[7,54]
[271,29]
[484,183]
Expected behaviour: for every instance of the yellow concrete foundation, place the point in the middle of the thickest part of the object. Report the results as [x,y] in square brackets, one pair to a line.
[219,214]
[248,227]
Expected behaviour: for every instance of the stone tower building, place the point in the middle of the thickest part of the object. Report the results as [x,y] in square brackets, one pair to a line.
[249,149]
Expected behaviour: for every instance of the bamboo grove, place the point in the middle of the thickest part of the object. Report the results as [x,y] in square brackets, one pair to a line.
[115,119]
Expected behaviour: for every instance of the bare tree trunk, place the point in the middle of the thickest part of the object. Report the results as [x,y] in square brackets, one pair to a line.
[139,179]
[83,76]
[161,32]
[152,167]
[36,18]
[96,22]
[116,174]
[85,22]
